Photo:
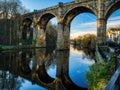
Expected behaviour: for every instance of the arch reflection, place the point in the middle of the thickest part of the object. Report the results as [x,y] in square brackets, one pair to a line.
[32,65]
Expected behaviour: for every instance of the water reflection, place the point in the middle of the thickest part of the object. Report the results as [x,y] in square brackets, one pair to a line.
[79,63]
[42,69]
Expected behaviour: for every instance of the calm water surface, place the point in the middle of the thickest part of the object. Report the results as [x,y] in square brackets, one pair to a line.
[44,69]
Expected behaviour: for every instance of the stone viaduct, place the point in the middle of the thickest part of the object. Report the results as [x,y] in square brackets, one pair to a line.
[64,14]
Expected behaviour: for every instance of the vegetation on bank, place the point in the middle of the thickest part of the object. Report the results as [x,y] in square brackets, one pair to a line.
[100,74]
[7,47]
[87,40]
[51,34]
[11,9]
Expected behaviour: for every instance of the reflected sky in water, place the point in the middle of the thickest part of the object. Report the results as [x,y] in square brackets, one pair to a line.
[52,71]
[27,85]
[79,65]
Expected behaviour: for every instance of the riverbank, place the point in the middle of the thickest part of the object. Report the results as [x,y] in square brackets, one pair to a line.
[14,47]
[6,47]
[101,73]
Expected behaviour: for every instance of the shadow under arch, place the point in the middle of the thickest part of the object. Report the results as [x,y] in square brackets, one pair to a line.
[27,21]
[26,31]
[24,65]
[112,8]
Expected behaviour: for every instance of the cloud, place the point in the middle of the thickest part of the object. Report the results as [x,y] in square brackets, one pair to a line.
[84,28]
[82,57]
[114,18]
[89,24]
[81,33]
[113,22]
[87,61]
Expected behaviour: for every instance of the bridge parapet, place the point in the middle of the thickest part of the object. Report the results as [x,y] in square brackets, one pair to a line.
[81,0]
[65,5]
[114,83]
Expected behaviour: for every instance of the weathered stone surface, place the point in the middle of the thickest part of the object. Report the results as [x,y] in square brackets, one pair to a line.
[41,38]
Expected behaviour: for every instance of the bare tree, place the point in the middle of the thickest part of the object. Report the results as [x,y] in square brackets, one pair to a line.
[11,9]
[10,16]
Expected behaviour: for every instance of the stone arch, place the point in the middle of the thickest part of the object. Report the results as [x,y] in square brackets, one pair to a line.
[69,16]
[42,24]
[42,74]
[113,7]
[27,21]
[44,19]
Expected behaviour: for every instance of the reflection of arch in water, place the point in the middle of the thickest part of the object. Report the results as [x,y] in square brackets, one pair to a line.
[24,65]
[43,76]
[28,74]
[40,77]
[26,31]
[25,69]
[63,71]
[45,56]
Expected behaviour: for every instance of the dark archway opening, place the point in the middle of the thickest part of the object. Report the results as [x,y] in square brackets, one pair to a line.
[26,30]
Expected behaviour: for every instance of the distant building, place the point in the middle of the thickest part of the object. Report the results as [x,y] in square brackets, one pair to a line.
[119,39]
[113,34]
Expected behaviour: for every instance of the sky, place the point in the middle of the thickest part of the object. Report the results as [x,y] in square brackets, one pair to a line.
[82,24]
[41,4]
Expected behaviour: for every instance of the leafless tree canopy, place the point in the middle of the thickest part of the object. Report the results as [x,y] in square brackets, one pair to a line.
[11,9]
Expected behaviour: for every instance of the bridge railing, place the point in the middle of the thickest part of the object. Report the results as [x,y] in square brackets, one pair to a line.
[114,83]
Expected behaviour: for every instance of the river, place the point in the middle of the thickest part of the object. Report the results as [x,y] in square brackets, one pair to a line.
[45,69]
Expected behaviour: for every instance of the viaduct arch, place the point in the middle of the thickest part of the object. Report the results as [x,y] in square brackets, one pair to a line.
[64,14]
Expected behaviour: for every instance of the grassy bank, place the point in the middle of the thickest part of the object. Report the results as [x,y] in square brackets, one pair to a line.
[6,47]
[100,74]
